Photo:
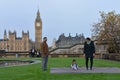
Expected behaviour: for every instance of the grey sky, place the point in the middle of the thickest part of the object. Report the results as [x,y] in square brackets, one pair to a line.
[58,16]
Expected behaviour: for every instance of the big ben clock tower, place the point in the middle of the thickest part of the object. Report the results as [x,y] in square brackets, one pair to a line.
[38,31]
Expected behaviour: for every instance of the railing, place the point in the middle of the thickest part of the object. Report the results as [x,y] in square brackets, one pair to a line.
[71,55]
[26,54]
[14,54]
[112,56]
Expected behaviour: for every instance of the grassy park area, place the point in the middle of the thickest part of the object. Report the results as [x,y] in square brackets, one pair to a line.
[34,72]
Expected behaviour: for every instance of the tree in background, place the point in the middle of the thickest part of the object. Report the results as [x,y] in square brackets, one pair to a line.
[107,30]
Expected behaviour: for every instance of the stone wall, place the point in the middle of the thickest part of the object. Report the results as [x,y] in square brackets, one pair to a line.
[78,48]
[15,55]
[111,56]
[98,56]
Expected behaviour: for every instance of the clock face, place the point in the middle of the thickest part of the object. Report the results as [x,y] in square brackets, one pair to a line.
[38,24]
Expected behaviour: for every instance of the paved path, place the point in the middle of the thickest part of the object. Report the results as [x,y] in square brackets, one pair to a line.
[83,70]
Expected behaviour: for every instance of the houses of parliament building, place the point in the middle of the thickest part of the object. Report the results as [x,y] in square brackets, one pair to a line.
[12,43]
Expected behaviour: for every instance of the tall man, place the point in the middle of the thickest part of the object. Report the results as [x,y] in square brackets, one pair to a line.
[44,53]
[89,51]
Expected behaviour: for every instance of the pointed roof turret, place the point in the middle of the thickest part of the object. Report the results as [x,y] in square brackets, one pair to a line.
[38,13]
[38,16]
[5,32]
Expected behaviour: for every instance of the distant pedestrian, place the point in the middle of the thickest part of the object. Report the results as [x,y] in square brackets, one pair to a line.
[37,53]
[33,52]
[44,53]
[89,52]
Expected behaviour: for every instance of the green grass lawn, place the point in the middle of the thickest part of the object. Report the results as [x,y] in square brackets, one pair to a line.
[34,72]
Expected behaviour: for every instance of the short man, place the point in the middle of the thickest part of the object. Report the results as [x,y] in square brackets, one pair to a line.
[44,53]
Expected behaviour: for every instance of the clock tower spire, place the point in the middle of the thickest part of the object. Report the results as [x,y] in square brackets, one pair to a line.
[38,30]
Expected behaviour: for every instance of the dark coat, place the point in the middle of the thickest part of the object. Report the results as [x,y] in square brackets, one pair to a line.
[89,49]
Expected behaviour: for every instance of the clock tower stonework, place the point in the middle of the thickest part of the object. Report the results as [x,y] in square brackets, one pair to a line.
[38,31]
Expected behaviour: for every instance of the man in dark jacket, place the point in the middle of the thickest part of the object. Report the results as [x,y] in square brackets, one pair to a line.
[89,51]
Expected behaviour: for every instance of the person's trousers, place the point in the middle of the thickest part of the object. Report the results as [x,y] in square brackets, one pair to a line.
[44,62]
[91,62]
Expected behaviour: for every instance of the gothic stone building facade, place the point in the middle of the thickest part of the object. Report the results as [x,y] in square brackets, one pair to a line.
[69,41]
[14,43]
[68,45]
[71,45]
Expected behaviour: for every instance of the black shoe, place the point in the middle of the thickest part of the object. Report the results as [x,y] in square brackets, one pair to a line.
[90,68]
[44,69]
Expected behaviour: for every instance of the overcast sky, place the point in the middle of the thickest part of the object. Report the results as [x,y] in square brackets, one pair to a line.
[58,16]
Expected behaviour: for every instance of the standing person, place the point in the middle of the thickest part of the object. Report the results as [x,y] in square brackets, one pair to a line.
[37,53]
[33,52]
[44,53]
[89,52]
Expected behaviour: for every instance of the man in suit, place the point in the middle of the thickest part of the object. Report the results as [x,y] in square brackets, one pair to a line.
[89,52]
